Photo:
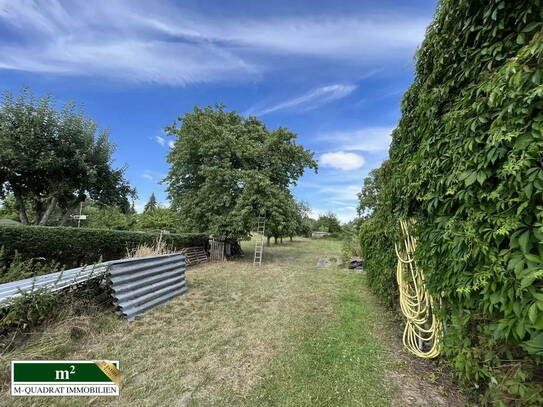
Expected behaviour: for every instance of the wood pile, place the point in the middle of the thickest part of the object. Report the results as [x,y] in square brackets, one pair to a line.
[195,255]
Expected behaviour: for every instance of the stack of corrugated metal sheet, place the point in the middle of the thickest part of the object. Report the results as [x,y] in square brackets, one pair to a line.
[142,283]
[50,282]
[138,284]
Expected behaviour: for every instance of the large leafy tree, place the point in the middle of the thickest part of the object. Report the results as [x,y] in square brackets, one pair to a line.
[52,160]
[226,170]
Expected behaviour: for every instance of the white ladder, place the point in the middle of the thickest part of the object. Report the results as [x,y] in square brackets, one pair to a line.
[259,246]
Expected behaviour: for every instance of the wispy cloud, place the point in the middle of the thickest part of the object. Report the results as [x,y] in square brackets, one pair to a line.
[342,200]
[160,140]
[85,38]
[362,139]
[163,142]
[153,175]
[342,160]
[170,45]
[308,101]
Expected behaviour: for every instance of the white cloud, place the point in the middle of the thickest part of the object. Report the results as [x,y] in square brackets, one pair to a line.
[364,139]
[337,37]
[170,45]
[163,142]
[86,38]
[310,100]
[160,140]
[342,160]
[153,175]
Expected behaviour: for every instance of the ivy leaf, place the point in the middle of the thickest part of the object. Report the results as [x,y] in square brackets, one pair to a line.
[535,345]
[471,179]
[532,313]
[530,27]
[481,176]
[528,280]
[523,240]
[532,257]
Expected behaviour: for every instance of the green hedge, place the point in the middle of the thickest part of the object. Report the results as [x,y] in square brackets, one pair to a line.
[76,246]
[466,162]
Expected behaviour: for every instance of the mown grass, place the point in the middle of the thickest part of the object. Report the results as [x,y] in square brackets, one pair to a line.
[286,334]
[333,361]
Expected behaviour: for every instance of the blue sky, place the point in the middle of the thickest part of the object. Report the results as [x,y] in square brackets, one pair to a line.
[333,72]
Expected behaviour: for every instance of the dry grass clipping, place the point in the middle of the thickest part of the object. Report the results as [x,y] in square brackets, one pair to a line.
[158,248]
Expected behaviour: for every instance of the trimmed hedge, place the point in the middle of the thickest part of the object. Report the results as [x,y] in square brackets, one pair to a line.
[466,163]
[75,246]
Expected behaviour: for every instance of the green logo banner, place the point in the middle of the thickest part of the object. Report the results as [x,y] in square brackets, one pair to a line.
[59,377]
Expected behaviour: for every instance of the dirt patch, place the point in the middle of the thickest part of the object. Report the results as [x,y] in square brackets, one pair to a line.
[329,261]
[417,381]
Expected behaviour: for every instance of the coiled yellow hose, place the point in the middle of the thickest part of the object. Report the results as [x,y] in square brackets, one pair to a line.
[423,331]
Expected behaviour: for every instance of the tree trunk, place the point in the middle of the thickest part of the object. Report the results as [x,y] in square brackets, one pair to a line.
[269,238]
[65,217]
[275,239]
[290,238]
[281,239]
[47,214]
[21,206]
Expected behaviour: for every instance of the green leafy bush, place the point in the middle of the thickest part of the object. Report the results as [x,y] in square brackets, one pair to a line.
[18,269]
[28,311]
[466,162]
[76,246]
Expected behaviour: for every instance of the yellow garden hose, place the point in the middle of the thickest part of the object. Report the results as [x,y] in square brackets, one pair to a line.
[423,331]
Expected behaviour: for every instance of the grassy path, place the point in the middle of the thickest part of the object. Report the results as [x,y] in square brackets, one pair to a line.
[287,334]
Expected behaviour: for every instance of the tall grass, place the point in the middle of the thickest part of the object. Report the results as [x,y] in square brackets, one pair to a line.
[158,248]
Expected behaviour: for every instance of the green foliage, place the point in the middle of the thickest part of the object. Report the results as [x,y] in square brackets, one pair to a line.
[52,160]
[305,223]
[28,311]
[75,246]
[18,269]
[159,219]
[369,195]
[466,162]
[226,170]
[350,243]
[328,223]
[152,204]
[32,310]
[108,217]
[8,209]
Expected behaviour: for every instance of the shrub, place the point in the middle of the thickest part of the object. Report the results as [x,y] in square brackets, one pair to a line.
[39,309]
[18,269]
[466,163]
[28,311]
[76,246]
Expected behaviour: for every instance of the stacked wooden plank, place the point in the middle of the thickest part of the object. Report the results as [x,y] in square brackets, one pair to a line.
[195,255]
[216,250]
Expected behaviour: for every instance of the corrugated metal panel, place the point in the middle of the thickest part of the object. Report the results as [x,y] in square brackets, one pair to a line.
[51,282]
[143,283]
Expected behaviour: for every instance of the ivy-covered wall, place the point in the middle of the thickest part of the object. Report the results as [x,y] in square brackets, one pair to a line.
[466,162]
